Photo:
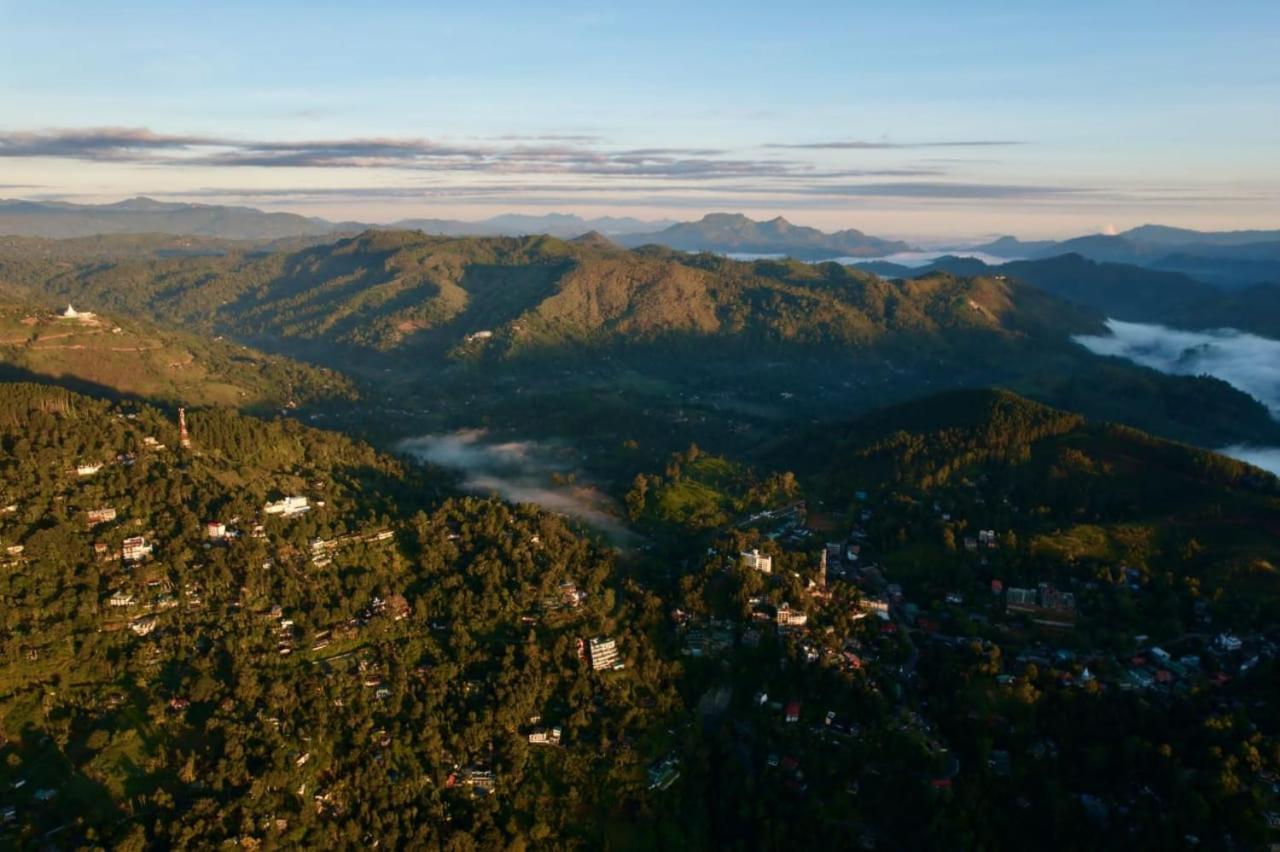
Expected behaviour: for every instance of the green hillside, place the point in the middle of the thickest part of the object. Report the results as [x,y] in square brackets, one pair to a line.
[375,664]
[134,358]
[1128,292]
[1075,491]
[403,291]
[519,326]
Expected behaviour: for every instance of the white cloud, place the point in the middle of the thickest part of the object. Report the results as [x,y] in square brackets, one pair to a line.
[1247,361]
[519,471]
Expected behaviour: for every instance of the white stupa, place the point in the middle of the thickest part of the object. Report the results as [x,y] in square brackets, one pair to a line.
[72,314]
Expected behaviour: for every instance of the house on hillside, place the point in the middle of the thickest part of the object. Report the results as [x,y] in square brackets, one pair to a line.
[603,654]
[100,516]
[788,617]
[143,626]
[1020,599]
[879,607]
[549,737]
[288,507]
[135,549]
[757,561]
[1051,598]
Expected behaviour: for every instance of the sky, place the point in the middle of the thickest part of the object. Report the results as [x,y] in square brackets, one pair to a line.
[920,119]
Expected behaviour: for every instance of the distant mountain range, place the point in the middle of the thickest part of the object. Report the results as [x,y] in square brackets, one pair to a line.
[1123,291]
[1229,259]
[145,215]
[517,224]
[732,233]
[61,220]
[716,232]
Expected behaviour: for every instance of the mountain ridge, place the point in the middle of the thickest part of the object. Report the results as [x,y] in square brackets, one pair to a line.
[734,232]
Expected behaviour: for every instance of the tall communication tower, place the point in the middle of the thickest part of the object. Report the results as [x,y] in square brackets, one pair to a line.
[183,438]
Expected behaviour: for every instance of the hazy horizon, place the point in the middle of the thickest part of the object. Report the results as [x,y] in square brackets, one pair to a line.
[899,122]
[928,243]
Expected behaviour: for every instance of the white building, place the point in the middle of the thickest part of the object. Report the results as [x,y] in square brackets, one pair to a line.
[545,737]
[135,548]
[603,653]
[788,617]
[874,606]
[288,507]
[758,561]
[79,316]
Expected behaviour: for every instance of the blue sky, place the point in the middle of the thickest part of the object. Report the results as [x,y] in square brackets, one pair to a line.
[912,118]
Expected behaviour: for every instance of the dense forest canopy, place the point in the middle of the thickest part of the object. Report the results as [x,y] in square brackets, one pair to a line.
[280,636]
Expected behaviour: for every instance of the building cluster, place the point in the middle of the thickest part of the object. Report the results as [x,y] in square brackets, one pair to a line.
[984,540]
[322,550]
[705,639]
[1045,604]
[545,736]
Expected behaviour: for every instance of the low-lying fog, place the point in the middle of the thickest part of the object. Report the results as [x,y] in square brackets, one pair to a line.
[903,258]
[1246,361]
[924,258]
[519,471]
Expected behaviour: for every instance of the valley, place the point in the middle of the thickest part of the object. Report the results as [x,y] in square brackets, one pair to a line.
[497,427]
[550,538]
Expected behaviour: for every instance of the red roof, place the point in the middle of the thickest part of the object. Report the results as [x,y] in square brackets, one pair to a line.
[793,710]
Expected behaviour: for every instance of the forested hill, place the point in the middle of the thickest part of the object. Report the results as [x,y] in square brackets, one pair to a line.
[1076,497]
[935,440]
[443,318]
[186,661]
[404,291]
[1125,291]
[128,356]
